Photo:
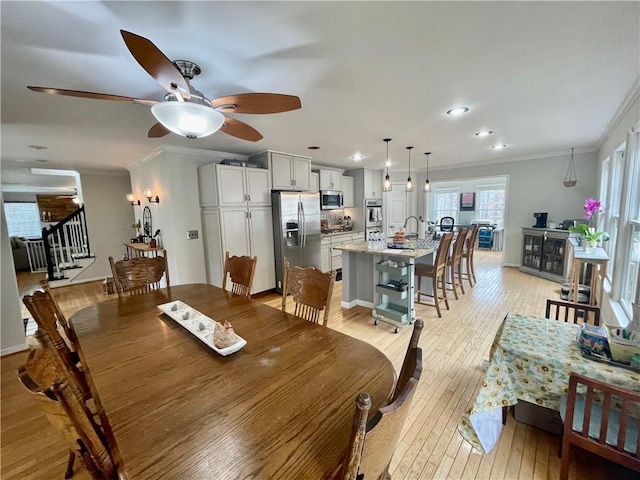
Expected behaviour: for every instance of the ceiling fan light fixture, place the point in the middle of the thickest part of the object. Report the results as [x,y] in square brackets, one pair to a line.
[190,120]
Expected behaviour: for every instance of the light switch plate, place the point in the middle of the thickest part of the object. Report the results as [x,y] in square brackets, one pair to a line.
[192,234]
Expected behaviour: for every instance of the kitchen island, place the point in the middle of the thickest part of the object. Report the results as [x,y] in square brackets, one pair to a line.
[383,279]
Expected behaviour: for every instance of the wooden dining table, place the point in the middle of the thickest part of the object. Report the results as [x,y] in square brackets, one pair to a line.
[281,407]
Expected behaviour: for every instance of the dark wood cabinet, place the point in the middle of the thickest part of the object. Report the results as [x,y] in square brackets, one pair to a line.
[545,253]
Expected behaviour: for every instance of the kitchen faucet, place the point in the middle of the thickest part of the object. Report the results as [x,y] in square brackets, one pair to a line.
[407,221]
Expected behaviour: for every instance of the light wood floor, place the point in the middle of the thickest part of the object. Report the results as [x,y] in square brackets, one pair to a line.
[453,349]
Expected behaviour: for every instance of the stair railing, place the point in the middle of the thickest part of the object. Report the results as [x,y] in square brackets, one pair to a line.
[65,242]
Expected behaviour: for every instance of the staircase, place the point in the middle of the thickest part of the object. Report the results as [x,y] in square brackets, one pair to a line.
[65,249]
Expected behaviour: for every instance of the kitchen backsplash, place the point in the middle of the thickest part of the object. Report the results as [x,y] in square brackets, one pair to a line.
[334,217]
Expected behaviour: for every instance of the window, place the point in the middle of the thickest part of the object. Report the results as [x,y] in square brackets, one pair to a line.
[446,203]
[630,231]
[23,219]
[611,220]
[491,202]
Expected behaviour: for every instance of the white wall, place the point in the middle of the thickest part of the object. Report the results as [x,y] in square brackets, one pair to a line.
[12,338]
[172,175]
[533,186]
[108,217]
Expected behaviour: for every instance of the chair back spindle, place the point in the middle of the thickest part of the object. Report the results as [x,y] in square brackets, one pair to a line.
[311,290]
[240,272]
[140,274]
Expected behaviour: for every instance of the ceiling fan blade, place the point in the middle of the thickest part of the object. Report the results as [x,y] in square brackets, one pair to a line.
[157,131]
[155,63]
[257,103]
[240,129]
[96,96]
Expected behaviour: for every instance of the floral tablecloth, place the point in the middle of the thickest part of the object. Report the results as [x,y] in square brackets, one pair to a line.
[531,359]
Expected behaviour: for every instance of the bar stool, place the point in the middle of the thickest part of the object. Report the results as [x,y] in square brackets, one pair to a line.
[467,255]
[455,262]
[436,272]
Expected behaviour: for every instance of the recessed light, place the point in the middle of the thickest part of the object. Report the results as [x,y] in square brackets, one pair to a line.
[37,147]
[41,160]
[313,147]
[388,163]
[499,147]
[484,133]
[357,157]
[457,111]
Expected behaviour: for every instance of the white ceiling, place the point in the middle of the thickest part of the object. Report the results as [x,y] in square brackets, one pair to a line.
[544,76]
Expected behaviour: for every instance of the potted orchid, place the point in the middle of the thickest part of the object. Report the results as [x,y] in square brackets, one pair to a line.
[591,235]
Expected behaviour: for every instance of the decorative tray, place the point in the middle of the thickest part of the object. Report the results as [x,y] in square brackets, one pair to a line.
[199,325]
[609,362]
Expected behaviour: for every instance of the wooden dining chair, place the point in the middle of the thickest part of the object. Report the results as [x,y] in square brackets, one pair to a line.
[437,273]
[240,271]
[467,256]
[604,421]
[140,274]
[311,290]
[572,312]
[69,415]
[374,440]
[49,318]
[447,223]
[454,262]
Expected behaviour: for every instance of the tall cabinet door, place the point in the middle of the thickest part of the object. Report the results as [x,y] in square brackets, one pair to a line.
[281,171]
[261,235]
[258,187]
[231,185]
[302,173]
[235,231]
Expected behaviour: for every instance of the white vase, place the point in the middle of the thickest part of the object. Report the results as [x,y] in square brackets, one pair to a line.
[590,246]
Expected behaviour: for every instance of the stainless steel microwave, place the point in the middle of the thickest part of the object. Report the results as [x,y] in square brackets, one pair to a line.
[330,200]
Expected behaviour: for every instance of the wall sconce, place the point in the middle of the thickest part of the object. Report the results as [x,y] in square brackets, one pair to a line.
[130,198]
[149,195]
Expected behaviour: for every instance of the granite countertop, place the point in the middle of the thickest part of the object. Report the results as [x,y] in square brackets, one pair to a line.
[361,247]
[331,233]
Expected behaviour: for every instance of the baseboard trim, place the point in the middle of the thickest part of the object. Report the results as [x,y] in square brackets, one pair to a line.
[14,349]
[356,303]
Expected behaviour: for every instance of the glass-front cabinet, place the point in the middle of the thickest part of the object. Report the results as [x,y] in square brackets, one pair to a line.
[544,253]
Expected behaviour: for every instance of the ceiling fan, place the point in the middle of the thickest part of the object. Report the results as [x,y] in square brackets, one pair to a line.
[185,110]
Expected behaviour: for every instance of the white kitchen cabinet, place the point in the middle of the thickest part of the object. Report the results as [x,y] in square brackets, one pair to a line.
[330,180]
[325,258]
[249,231]
[372,183]
[347,192]
[288,172]
[228,185]
[315,183]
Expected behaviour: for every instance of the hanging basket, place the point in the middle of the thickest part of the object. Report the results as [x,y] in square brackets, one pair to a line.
[571,178]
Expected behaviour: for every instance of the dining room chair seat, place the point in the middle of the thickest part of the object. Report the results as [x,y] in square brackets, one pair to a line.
[239,270]
[139,275]
[311,290]
[601,418]
[437,273]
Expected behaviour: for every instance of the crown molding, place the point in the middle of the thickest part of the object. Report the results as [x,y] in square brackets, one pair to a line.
[623,109]
[213,155]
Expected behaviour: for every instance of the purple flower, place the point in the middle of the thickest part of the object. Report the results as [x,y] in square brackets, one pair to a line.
[591,206]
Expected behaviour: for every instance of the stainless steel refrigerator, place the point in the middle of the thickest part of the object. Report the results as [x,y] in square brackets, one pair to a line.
[296,231]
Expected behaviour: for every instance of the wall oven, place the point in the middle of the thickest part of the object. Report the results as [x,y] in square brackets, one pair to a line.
[331,200]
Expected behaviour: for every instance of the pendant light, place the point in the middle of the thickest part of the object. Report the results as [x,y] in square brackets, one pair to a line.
[571,178]
[386,187]
[427,185]
[409,187]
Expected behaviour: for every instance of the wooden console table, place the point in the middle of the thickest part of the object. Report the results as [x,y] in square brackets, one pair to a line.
[141,249]
[581,260]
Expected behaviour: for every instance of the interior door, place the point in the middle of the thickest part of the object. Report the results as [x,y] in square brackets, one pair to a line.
[395,208]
